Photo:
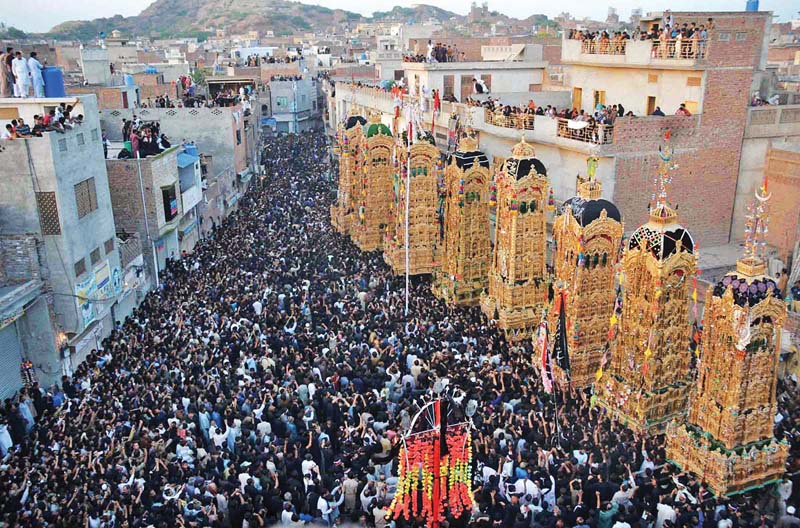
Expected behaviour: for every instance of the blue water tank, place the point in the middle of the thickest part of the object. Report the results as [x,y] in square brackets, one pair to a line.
[53,82]
[151,69]
[191,150]
[752,6]
[128,80]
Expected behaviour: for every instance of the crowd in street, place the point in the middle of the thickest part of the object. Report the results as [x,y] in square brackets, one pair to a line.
[269,378]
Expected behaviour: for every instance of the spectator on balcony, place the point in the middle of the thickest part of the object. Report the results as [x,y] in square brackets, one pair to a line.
[8,133]
[23,129]
[22,76]
[682,110]
[657,112]
[37,80]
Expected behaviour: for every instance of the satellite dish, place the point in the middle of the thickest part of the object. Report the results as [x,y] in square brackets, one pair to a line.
[102,34]
[438,387]
[471,408]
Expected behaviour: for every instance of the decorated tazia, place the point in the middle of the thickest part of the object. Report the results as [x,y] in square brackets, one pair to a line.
[465,251]
[587,234]
[434,468]
[348,146]
[517,290]
[646,381]
[374,193]
[728,438]
[415,200]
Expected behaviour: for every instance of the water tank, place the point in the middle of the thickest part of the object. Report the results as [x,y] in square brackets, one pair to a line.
[151,70]
[751,6]
[191,150]
[53,82]
[129,80]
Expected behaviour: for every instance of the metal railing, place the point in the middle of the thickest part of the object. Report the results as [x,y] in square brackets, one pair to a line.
[597,134]
[519,121]
[129,249]
[604,47]
[679,49]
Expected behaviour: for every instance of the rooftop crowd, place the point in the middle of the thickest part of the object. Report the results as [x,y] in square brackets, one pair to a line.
[436,53]
[269,378]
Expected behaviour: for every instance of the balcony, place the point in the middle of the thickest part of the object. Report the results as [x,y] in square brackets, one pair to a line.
[130,247]
[582,131]
[675,54]
[517,121]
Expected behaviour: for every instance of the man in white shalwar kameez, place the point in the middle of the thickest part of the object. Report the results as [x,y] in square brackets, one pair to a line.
[22,76]
[37,81]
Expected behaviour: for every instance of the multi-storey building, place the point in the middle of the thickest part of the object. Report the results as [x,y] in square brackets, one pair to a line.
[61,259]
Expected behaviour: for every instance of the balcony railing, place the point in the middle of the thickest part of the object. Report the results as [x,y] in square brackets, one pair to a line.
[129,248]
[604,47]
[518,121]
[678,49]
[596,133]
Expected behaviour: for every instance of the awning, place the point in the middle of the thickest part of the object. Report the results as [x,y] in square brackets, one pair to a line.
[245,176]
[185,160]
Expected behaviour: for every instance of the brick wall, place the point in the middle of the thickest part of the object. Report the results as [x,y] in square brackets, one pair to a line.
[783,176]
[148,79]
[782,55]
[107,98]
[707,147]
[19,259]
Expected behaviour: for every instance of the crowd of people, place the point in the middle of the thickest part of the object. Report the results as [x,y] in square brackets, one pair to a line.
[142,139]
[269,378]
[436,53]
[670,39]
[20,76]
[58,119]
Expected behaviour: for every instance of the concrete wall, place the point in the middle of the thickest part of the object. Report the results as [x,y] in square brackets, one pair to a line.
[95,64]
[632,86]
[212,129]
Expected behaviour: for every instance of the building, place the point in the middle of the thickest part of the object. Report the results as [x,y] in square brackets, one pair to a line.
[146,196]
[296,104]
[587,235]
[59,241]
[230,136]
[728,438]
[517,289]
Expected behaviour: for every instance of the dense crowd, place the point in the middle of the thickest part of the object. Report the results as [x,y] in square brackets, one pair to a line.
[58,119]
[268,381]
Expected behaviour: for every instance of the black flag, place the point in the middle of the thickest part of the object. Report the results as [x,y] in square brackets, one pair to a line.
[560,352]
[443,449]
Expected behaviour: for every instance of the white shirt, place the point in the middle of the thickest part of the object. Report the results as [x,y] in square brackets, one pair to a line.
[20,68]
[258,307]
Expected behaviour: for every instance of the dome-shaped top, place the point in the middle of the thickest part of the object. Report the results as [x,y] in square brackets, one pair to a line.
[747,290]
[588,205]
[467,154]
[375,129]
[662,235]
[353,121]
[587,211]
[523,161]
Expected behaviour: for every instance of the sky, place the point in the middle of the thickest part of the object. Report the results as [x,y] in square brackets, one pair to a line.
[41,15]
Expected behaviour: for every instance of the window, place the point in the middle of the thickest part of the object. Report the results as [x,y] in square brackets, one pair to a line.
[80,139]
[448,85]
[599,97]
[652,78]
[282,101]
[95,134]
[95,256]
[692,106]
[170,203]
[62,145]
[85,197]
[724,36]
[238,137]
[109,245]
[48,213]
[741,36]
[693,81]
[80,267]
[303,99]
[487,80]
